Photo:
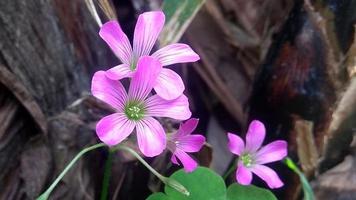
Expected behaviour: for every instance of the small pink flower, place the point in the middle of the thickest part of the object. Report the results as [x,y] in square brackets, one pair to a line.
[252,157]
[182,141]
[169,84]
[135,110]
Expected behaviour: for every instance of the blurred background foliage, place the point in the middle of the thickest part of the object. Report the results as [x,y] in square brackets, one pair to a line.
[288,63]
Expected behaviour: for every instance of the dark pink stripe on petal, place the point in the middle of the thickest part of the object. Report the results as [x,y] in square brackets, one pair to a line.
[117,40]
[187,127]
[169,84]
[255,136]
[110,91]
[273,151]
[236,144]
[268,175]
[148,27]
[142,82]
[176,53]
[189,163]
[175,109]
[174,159]
[151,137]
[243,175]
[118,72]
[190,143]
[114,128]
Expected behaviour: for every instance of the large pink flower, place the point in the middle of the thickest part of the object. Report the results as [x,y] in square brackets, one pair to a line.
[135,110]
[169,84]
[182,142]
[252,156]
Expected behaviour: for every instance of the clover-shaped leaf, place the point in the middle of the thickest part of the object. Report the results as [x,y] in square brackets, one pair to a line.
[251,192]
[205,184]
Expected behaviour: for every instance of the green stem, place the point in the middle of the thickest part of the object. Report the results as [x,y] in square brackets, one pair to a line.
[307,189]
[168,181]
[139,158]
[106,178]
[229,171]
[46,194]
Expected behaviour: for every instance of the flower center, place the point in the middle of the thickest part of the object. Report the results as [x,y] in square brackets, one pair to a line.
[246,160]
[133,63]
[134,111]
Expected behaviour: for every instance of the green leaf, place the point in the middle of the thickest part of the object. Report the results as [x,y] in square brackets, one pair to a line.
[202,184]
[308,191]
[179,14]
[158,196]
[205,184]
[251,192]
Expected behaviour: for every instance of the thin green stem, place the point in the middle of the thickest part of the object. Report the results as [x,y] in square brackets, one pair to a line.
[168,181]
[46,194]
[229,171]
[139,158]
[106,178]
[307,189]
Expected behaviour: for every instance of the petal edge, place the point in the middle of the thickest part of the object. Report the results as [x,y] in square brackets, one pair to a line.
[114,128]
[117,40]
[176,53]
[148,27]
[169,84]
[151,137]
[236,144]
[255,136]
[268,175]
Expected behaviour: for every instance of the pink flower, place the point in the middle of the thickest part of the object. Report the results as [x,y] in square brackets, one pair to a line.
[135,110]
[169,84]
[182,141]
[252,156]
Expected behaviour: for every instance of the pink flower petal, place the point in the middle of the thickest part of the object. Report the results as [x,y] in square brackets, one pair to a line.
[187,127]
[273,151]
[255,136]
[117,40]
[189,163]
[191,143]
[151,137]
[176,109]
[174,160]
[148,27]
[119,72]
[176,53]
[110,91]
[114,128]
[243,175]
[236,144]
[148,69]
[268,175]
[169,84]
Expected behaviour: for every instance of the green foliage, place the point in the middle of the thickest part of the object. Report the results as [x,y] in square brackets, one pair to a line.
[205,184]
[201,184]
[158,196]
[251,192]
[179,14]
[308,191]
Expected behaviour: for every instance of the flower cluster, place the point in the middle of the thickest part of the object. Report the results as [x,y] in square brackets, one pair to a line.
[137,109]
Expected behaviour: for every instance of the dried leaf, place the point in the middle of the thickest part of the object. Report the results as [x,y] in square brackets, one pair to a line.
[306,148]
[179,14]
